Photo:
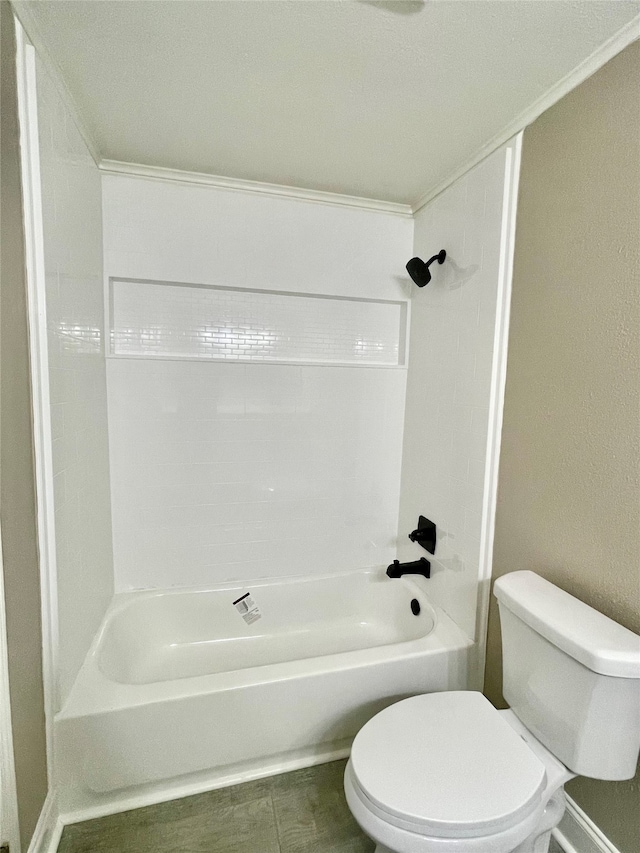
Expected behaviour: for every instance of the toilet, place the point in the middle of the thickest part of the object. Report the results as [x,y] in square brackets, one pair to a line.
[447,772]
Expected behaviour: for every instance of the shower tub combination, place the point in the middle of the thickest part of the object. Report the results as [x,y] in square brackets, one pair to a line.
[183,691]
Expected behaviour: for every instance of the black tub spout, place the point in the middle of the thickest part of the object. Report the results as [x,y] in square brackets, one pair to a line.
[417,567]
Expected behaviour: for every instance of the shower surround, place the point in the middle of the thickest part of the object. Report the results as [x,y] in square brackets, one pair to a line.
[273,472]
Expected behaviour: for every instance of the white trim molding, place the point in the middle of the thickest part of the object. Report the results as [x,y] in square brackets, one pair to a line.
[30,27]
[496,399]
[157,173]
[577,833]
[600,56]
[39,369]
[49,827]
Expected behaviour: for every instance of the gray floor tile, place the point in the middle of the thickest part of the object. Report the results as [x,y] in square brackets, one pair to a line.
[356,845]
[300,812]
[312,814]
[215,823]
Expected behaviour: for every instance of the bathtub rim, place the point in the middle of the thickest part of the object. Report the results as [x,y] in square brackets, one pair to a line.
[122,602]
[94,693]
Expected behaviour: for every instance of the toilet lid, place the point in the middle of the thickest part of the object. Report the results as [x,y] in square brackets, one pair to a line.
[448,765]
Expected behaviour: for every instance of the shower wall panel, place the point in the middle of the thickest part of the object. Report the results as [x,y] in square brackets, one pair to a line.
[453,334]
[237,471]
[72,225]
[236,468]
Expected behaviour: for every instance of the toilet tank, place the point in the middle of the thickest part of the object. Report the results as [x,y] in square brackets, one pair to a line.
[571,675]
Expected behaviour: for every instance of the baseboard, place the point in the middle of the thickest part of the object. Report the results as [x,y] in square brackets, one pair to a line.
[48,831]
[577,833]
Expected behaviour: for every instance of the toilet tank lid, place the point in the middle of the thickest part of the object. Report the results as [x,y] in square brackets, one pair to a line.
[585,634]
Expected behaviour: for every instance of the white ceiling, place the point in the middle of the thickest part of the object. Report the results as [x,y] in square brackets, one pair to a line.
[375,99]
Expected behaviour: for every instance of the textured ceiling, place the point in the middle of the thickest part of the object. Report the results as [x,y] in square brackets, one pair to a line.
[376,99]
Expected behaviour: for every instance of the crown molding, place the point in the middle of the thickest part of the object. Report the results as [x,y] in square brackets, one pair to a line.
[26,17]
[160,173]
[600,56]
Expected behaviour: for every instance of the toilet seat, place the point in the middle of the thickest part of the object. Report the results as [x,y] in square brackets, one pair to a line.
[446,765]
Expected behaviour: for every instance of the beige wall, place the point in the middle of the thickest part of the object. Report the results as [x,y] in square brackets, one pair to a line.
[569,492]
[19,550]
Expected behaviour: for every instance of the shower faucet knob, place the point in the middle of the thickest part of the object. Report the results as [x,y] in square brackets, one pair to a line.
[425,534]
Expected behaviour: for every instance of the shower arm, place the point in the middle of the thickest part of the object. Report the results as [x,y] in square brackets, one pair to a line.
[437,257]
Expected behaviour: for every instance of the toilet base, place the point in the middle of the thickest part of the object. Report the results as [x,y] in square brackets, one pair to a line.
[540,845]
[539,840]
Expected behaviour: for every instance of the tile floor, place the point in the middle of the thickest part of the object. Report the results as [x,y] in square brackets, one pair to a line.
[300,812]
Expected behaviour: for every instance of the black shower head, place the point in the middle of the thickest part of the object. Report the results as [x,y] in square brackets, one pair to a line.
[419,271]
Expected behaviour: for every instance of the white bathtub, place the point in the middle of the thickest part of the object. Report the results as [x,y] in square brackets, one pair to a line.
[178,693]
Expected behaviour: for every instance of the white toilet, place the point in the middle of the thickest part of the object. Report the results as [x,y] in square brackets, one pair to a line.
[448,772]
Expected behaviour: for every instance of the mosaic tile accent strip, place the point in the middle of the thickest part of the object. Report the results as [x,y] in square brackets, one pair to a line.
[184,321]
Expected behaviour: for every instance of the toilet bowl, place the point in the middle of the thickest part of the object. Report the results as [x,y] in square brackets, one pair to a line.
[448,773]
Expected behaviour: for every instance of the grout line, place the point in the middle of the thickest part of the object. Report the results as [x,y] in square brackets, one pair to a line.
[275,817]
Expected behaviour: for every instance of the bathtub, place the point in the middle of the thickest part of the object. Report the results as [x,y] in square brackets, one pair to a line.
[184,690]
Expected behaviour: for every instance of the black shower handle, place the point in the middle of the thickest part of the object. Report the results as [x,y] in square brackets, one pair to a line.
[425,534]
